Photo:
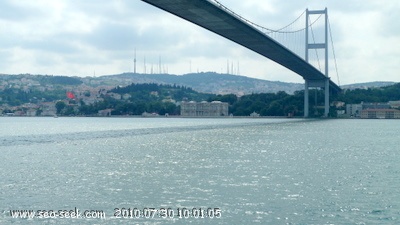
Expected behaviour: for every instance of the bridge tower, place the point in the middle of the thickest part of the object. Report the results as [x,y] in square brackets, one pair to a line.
[309,46]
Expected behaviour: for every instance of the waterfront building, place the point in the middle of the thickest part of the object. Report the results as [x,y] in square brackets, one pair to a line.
[353,110]
[48,108]
[204,109]
[380,114]
[375,106]
[394,104]
[254,114]
[104,112]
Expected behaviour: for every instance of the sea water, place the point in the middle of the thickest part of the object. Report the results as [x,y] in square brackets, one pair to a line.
[199,171]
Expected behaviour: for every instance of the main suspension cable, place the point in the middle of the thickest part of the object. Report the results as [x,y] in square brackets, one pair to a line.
[268,30]
[333,50]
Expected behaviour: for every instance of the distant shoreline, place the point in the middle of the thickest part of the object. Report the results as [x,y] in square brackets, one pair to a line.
[183,117]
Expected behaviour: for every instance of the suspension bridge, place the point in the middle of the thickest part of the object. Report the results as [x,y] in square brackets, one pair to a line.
[273,44]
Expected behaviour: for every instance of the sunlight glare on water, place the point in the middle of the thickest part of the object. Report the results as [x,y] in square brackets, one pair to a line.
[266,171]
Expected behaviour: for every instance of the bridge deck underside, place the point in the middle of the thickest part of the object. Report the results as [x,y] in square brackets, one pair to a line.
[213,18]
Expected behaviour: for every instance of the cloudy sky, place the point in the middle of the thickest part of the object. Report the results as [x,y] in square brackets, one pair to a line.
[99,37]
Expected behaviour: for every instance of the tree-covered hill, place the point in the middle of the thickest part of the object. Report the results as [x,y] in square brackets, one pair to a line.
[283,104]
[160,92]
[60,80]
[211,82]
[265,104]
[383,94]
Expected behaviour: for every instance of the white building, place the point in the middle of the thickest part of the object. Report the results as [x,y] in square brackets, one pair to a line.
[48,109]
[354,110]
[394,104]
[204,109]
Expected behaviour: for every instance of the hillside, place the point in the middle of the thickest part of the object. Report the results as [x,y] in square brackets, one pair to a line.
[368,85]
[216,83]
[210,82]
[159,92]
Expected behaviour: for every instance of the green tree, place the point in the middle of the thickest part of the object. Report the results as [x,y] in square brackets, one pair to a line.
[69,111]
[275,109]
[60,105]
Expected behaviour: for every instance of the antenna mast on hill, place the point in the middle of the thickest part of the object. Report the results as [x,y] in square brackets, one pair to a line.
[144,64]
[159,65]
[134,63]
[227,66]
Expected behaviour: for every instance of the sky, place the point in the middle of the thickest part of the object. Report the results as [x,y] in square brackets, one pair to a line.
[102,37]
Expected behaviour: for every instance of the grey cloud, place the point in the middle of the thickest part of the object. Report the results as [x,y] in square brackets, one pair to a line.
[61,44]
[114,11]
[111,37]
[120,37]
[10,11]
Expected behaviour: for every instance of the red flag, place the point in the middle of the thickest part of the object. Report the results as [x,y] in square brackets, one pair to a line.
[70,95]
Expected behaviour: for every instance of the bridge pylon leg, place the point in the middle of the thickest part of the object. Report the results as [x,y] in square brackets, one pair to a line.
[326,113]
[306,99]
[316,84]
